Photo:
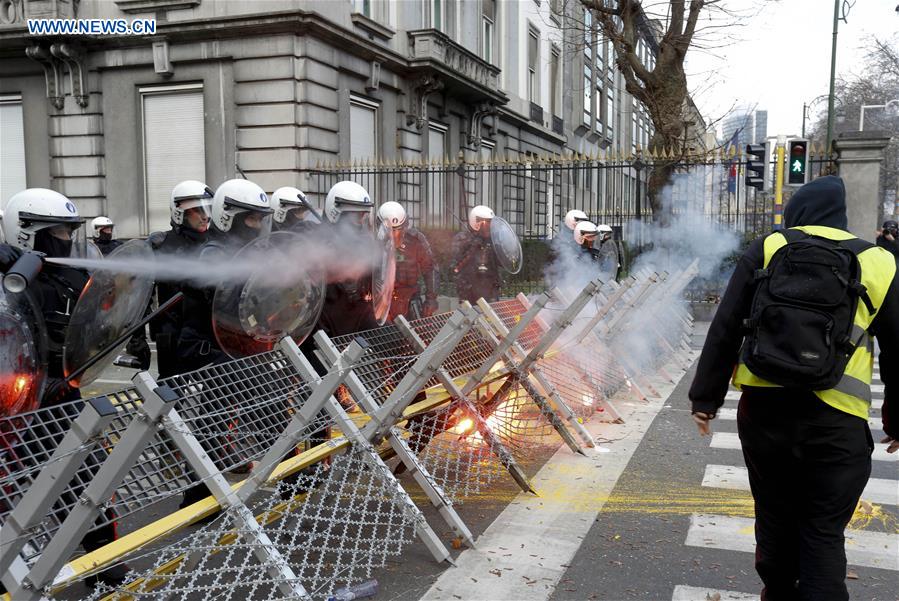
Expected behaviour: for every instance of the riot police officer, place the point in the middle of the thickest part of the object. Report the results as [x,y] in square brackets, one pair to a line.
[349,305]
[572,218]
[475,266]
[45,221]
[190,207]
[102,229]
[240,213]
[585,234]
[292,211]
[414,261]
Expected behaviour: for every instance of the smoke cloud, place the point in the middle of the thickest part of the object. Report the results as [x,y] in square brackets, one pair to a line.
[335,254]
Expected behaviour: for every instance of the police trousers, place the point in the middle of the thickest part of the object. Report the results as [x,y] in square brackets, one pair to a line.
[808,465]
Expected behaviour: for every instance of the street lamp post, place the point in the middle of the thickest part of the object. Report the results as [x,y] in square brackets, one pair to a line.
[891,106]
[837,17]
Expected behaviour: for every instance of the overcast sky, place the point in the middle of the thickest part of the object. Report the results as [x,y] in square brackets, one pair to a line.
[782,58]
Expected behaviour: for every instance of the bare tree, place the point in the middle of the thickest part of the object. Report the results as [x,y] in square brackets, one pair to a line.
[677,26]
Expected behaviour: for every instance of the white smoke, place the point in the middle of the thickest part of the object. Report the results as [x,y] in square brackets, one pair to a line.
[668,251]
[337,257]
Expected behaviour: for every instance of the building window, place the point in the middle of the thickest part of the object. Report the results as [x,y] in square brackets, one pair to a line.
[363,128]
[555,9]
[437,15]
[174,146]
[533,62]
[435,211]
[488,18]
[12,148]
[610,110]
[364,7]
[588,94]
[555,78]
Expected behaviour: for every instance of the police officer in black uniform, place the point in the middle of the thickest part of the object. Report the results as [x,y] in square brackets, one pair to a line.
[191,210]
[414,262]
[475,266]
[45,221]
[349,304]
[103,237]
[293,212]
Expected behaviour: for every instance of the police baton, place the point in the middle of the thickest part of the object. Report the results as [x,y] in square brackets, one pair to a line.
[128,334]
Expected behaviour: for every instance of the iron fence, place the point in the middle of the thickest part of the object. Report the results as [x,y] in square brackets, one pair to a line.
[533,193]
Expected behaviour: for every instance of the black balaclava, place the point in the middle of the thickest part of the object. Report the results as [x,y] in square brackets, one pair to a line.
[241,231]
[104,236]
[820,202]
[50,245]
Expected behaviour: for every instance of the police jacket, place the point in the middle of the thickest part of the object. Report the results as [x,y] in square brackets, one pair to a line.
[475,266]
[197,344]
[818,208]
[414,260]
[107,246]
[56,290]
[348,304]
[178,241]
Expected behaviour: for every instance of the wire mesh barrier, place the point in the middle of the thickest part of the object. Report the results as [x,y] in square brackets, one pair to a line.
[332,526]
[460,399]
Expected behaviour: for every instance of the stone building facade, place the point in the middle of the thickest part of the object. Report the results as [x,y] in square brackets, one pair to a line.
[272,88]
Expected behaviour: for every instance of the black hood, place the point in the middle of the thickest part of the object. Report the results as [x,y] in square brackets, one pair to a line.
[819,202]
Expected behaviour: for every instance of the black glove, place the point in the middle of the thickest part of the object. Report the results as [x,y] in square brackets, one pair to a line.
[8,256]
[138,347]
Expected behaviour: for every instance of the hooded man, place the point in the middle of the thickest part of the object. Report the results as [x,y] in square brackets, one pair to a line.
[807,448]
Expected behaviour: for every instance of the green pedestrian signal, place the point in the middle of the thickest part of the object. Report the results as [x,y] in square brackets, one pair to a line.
[797,162]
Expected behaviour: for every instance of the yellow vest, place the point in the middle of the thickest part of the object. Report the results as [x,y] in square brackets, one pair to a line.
[852,394]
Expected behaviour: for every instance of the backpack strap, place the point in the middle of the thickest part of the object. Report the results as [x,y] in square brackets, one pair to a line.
[793,235]
[858,246]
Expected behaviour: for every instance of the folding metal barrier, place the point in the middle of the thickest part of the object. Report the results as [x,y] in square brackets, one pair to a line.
[427,388]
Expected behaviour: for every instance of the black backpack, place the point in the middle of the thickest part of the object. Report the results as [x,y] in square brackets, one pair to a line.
[800,330]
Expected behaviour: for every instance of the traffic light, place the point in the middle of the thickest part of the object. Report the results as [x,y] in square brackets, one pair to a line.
[756,165]
[797,162]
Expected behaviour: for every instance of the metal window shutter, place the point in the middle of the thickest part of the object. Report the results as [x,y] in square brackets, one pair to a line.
[174,149]
[12,151]
[362,133]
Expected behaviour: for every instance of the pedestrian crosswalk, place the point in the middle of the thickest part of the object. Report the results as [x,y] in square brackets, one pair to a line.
[730,440]
[879,490]
[868,547]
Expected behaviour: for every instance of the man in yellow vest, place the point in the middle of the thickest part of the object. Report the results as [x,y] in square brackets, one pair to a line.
[807,449]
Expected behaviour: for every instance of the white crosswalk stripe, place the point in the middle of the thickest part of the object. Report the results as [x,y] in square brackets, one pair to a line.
[730,440]
[698,593]
[863,548]
[878,490]
[732,395]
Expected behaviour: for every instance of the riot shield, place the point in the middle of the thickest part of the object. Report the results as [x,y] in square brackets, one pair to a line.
[383,276]
[506,245]
[285,297]
[109,304]
[23,358]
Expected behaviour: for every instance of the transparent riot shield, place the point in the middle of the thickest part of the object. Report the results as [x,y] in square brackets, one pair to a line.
[23,353]
[285,297]
[506,245]
[383,275]
[110,303]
